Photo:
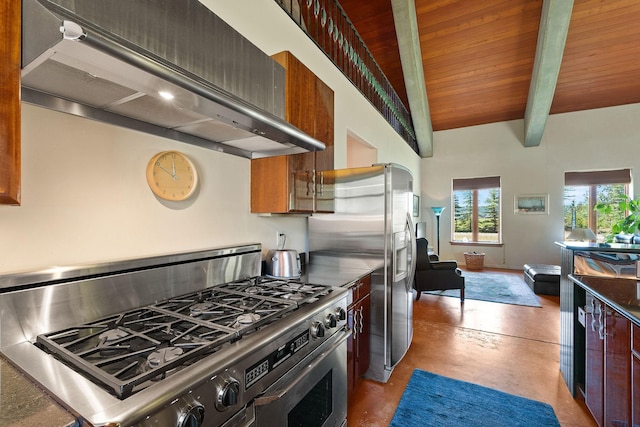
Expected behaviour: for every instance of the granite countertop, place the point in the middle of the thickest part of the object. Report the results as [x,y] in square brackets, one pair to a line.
[23,404]
[623,295]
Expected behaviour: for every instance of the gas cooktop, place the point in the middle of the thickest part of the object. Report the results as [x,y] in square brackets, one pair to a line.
[128,351]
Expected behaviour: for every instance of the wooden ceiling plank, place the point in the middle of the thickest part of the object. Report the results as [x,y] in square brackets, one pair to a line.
[404,16]
[554,27]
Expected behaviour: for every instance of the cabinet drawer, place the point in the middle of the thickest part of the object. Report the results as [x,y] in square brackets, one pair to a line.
[359,290]
[635,339]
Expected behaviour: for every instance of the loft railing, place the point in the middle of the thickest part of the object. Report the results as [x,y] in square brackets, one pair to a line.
[328,26]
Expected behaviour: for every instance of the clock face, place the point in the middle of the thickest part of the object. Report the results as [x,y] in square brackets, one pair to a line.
[172,176]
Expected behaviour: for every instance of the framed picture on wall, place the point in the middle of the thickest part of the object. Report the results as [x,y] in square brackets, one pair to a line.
[527,204]
[416,205]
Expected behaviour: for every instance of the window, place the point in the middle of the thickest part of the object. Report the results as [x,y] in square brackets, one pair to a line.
[476,210]
[582,190]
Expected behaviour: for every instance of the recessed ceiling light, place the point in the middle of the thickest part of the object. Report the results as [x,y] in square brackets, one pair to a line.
[166,95]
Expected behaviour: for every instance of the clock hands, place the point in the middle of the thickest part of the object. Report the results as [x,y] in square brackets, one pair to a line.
[173,174]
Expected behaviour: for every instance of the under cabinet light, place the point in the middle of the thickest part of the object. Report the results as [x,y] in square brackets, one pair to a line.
[166,95]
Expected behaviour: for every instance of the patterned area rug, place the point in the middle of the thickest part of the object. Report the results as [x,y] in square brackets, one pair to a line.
[434,400]
[506,288]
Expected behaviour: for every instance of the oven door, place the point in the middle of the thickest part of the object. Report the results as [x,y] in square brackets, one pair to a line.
[313,393]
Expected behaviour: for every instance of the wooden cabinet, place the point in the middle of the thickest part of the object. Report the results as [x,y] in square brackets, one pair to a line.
[358,319]
[617,369]
[299,182]
[608,364]
[635,375]
[594,360]
[10,21]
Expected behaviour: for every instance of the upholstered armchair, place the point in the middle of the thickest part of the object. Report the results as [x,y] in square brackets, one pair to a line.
[435,275]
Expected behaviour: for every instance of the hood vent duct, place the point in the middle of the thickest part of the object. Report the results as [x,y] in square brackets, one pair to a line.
[115,61]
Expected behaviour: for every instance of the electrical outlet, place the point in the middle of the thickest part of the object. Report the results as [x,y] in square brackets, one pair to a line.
[280,239]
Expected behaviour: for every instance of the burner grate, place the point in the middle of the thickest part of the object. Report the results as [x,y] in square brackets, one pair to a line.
[120,351]
[230,308]
[291,290]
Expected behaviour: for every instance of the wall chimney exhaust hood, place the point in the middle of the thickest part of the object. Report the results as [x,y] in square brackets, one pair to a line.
[168,68]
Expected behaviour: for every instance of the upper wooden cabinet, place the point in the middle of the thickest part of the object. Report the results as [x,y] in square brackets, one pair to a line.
[10,102]
[299,182]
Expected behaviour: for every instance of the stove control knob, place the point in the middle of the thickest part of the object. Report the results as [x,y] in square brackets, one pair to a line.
[192,417]
[330,321]
[227,393]
[341,314]
[317,330]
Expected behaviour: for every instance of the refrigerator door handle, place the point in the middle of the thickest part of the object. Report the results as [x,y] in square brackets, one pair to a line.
[412,269]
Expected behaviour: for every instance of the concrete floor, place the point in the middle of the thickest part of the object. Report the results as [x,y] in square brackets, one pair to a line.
[511,348]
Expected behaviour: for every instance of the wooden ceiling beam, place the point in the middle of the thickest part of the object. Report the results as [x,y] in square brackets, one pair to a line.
[404,17]
[552,35]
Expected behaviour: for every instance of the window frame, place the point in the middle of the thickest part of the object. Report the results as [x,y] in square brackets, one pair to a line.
[475,185]
[591,180]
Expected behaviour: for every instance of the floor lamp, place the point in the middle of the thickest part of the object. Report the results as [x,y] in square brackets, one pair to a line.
[437,211]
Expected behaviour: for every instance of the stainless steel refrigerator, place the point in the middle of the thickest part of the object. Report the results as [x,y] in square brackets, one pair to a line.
[372,228]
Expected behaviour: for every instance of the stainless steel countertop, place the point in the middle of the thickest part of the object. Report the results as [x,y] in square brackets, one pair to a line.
[338,270]
[322,275]
[623,295]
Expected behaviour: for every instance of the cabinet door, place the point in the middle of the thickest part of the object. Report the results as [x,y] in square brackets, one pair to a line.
[362,361]
[635,390]
[635,375]
[10,186]
[300,182]
[617,367]
[324,131]
[594,362]
[351,353]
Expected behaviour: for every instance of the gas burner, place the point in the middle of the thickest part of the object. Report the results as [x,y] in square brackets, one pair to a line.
[300,287]
[254,290]
[296,296]
[111,335]
[163,355]
[246,319]
[111,343]
[201,308]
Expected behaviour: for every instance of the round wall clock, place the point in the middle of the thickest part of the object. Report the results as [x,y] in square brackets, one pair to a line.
[172,176]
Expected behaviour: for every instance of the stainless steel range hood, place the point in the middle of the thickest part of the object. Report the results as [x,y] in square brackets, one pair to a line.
[113,60]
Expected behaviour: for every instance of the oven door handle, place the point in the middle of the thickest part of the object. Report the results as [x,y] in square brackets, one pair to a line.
[265,400]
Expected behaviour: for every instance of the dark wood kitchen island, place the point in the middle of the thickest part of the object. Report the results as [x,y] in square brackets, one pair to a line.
[599,315]
[23,404]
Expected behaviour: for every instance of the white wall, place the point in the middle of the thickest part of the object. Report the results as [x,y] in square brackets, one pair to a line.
[84,191]
[587,140]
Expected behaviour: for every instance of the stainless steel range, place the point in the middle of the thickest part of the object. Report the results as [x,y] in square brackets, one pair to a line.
[194,339]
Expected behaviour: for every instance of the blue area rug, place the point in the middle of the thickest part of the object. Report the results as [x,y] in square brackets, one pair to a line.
[433,400]
[506,288]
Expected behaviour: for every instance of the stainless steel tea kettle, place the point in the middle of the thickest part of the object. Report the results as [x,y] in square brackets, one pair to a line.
[283,264]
